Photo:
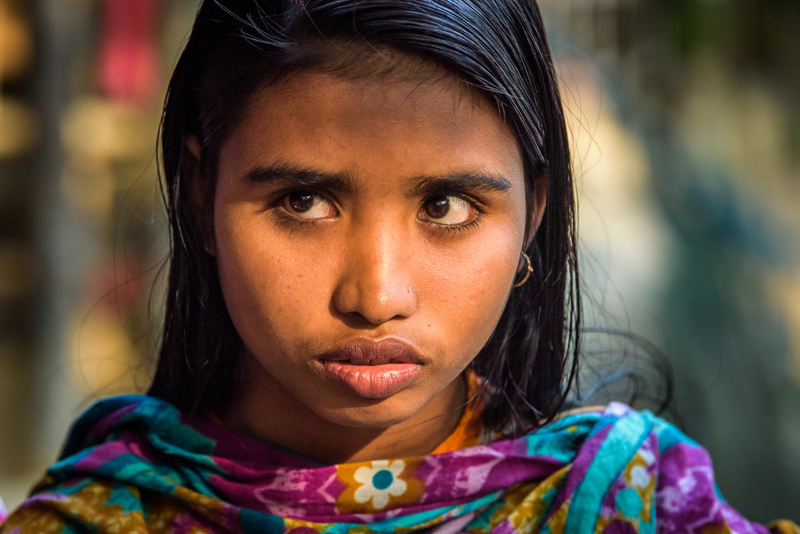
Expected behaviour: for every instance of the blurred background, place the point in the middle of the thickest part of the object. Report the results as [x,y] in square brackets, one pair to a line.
[685,123]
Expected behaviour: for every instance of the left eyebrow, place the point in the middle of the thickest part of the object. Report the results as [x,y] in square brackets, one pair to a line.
[459,181]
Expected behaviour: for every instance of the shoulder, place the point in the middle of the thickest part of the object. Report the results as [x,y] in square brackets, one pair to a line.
[122,466]
[623,426]
[621,446]
[634,470]
[80,505]
[121,418]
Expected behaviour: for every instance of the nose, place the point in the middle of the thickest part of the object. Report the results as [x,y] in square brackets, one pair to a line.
[376,281]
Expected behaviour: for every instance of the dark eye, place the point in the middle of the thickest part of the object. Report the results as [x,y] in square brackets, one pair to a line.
[308,205]
[447,210]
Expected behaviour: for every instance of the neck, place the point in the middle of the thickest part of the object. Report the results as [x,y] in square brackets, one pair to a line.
[293,426]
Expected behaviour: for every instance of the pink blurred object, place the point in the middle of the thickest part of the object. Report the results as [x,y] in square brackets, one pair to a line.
[128,61]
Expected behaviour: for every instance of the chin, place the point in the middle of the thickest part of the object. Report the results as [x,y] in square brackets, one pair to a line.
[380,414]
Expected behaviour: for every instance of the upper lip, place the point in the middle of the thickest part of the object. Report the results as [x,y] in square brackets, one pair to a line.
[363,351]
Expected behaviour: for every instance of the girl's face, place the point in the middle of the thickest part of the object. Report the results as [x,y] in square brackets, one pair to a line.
[367,235]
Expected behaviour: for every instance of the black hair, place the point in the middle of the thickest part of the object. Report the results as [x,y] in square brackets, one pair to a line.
[497,49]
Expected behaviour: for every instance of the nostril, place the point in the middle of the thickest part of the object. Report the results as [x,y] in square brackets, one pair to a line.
[377,287]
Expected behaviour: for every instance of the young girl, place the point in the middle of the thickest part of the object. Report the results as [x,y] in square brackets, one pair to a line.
[373,310]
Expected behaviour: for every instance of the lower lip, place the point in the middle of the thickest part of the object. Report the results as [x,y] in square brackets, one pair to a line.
[373,381]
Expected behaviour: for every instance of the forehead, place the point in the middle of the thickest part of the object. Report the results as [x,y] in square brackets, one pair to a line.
[403,126]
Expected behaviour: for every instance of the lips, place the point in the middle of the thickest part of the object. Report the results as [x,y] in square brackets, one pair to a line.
[368,352]
[373,369]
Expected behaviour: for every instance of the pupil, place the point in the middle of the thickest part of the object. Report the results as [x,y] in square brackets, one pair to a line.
[301,202]
[438,208]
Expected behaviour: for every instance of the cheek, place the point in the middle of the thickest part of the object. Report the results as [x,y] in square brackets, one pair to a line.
[468,287]
[269,287]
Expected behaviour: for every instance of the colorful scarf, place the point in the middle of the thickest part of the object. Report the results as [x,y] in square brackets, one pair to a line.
[134,464]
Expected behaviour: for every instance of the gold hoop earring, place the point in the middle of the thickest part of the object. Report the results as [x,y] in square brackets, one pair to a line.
[528,271]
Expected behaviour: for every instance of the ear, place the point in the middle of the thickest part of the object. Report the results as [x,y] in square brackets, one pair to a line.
[201,194]
[537,200]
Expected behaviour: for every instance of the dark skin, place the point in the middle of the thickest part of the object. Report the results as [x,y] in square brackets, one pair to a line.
[406,222]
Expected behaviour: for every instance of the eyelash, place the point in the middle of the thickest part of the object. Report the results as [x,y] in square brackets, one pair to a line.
[287,219]
[282,217]
[448,229]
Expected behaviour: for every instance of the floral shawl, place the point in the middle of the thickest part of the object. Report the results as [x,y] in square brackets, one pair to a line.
[135,464]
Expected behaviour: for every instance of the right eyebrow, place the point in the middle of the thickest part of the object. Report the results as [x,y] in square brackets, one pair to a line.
[286,174]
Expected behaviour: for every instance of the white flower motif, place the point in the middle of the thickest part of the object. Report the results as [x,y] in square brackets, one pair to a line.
[640,477]
[671,499]
[379,481]
[617,409]
[647,456]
